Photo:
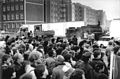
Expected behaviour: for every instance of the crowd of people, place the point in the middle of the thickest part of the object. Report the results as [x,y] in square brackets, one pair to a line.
[54,58]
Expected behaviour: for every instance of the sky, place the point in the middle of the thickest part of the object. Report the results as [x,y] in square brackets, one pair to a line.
[111,7]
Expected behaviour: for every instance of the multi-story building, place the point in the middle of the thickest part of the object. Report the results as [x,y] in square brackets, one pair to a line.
[84,13]
[18,12]
[102,18]
[57,10]
[77,12]
[90,16]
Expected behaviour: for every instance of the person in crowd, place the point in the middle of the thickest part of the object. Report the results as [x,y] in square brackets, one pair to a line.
[50,62]
[77,74]
[41,71]
[85,66]
[7,68]
[50,59]
[109,50]
[19,67]
[98,61]
[57,72]
[74,39]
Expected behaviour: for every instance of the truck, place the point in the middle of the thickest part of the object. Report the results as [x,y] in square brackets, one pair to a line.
[50,29]
[35,29]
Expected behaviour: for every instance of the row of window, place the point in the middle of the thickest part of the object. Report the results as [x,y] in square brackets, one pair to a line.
[17,16]
[13,7]
[5,1]
[9,26]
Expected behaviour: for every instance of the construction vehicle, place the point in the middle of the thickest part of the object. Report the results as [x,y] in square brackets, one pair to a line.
[35,29]
[49,29]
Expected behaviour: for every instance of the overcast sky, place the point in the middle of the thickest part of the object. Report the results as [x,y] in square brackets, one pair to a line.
[111,7]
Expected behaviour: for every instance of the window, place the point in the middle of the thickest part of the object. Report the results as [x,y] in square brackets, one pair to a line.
[17,16]
[12,8]
[12,17]
[17,7]
[8,26]
[21,16]
[4,26]
[13,25]
[4,17]
[17,25]
[8,17]
[8,7]
[4,8]
[21,7]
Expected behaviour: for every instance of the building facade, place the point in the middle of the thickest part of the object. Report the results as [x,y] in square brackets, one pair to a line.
[57,11]
[85,13]
[102,18]
[77,12]
[1,15]
[18,12]
[90,16]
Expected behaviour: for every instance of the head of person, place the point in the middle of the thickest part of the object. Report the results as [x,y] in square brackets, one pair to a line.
[95,46]
[51,53]
[86,46]
[82,43]
[60,58]
[18,58]
[116,49]
[110,43]
[14,50]
[86,56]
[21,48]
[67,57]
[35,58]
[53,40]
[97,53]
[41,71]
[77,74]
[6,59]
